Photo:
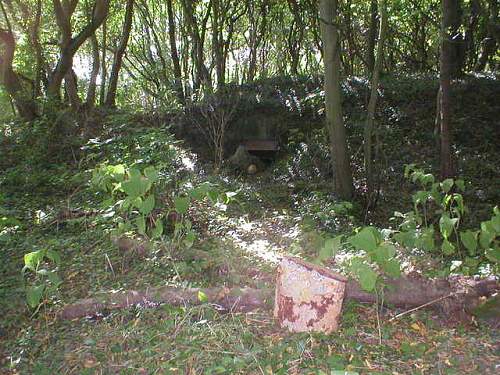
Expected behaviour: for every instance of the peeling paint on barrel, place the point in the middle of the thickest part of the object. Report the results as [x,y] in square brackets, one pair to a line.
[308,297]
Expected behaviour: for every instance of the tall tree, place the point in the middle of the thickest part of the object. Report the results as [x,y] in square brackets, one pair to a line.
[104,73]
[91,91]
[11,80]
[371,36]
[197,34]
[174,54]
[492,40]
[372,104]
[445,73]
[69,45]
[118,56]
[333,100]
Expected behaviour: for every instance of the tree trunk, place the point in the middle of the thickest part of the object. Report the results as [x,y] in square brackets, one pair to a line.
[104,73]
[218,44]
[201,73]
[118,58]
[257,33]
[174,53]
[70,45]
[489,44]
[71,86]
[37,47]
[10,80]
[372,105]
[457,48]
[455,299]
[372,34]
[333,99]
[91,92]
[445,73]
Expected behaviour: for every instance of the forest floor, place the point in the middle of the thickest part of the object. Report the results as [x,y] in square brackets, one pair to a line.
[246,241]
[274,213]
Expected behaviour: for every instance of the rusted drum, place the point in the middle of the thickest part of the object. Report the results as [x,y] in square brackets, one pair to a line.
[308,297]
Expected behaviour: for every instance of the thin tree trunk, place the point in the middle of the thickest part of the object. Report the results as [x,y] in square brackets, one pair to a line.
[372,34]
[218,44]
[118,58]
[104,73]
[35,41]
[372,105]
[174,53]
[91,92]
[445,87]
[333,99]
[489,44]
[201,73]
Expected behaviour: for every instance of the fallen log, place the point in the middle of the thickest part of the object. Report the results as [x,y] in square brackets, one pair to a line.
[230,300]
[455,297]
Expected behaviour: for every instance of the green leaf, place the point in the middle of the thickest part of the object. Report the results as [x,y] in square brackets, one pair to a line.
[118,172]
[364,240]
[202,297]
[485,237]
[137,202]
[34,295]
[157,231]
[134,173]
[181,204]
[426,240]
[447,247]
[132,187]
[469,240]
[383,253]
[140,222]
[189,239]
[33,259]
[330,248]
[493,255]
[197,194]
[147,205]
[392,268]
[495,223]
[365,274]
[151,173]
[53,256]
[446,185]
[54,279]
[460,184]
[427,179]
[213,196]
[446,225]
[406,238]
[421,197]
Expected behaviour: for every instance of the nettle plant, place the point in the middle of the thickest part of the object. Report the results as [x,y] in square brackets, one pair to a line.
[377,256]
[134,195]
[434,224]
[40,268]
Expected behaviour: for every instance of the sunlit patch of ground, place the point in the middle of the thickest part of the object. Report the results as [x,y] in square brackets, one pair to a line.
[269,237]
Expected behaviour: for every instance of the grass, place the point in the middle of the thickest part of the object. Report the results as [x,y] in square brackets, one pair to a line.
[193,340]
